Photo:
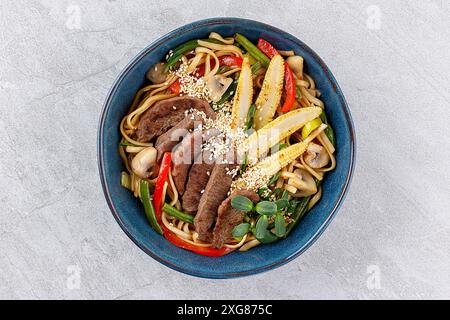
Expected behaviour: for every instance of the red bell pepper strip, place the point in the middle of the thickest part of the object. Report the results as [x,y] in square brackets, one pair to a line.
[201,70]
[163,175]
[205,251]
[289,85]
[175,87]
[267,48]
[230,61]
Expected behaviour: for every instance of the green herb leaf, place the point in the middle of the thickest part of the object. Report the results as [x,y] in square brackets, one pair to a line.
[240,230]
[261,233]
[269,237]
[242,203]
[261,227]
[292,206]
[266,208]
[281,204]
[280,225]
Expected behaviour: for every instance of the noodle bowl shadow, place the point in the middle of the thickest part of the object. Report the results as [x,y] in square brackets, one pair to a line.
[129,212]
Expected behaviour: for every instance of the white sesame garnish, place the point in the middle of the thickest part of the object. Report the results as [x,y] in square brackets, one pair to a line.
[219,145]
[191,84]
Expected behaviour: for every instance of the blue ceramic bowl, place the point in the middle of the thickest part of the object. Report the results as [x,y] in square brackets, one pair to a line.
[128,211]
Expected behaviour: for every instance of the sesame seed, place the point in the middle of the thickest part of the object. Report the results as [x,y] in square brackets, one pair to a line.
[192,84]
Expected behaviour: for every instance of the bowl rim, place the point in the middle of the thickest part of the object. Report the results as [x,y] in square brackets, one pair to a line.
[100,141]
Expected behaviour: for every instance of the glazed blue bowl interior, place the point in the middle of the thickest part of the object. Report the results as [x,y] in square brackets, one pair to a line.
[129,212]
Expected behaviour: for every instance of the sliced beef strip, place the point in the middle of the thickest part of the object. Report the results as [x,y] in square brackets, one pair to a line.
[167,113]
[184,155]
[168,140]
[215,192]
[228,218]
[197,181]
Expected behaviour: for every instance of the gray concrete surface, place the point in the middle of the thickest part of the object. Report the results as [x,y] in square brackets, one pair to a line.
[57,237]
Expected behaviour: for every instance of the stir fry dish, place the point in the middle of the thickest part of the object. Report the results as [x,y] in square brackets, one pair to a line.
[226,145]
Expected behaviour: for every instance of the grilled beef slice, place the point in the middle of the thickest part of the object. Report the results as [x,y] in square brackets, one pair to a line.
[228,218]
[197,181]
[167,113]
[168,140]
[184,155]
[215,192]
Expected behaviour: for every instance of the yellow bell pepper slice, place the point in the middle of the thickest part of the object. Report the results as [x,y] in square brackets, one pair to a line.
[310,127]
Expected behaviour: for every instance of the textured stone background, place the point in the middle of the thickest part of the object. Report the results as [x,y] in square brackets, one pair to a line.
[59,58]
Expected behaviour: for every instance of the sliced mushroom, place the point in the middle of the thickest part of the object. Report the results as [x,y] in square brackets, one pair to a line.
[144,161]
[316,156]
[157,73]
[217,85]
[296,65]
[303,182]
